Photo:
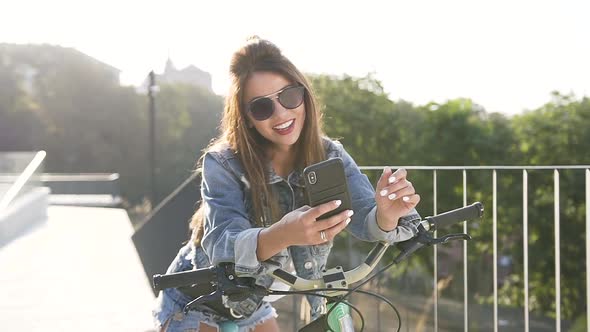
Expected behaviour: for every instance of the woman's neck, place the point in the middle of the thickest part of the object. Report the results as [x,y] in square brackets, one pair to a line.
[283,160]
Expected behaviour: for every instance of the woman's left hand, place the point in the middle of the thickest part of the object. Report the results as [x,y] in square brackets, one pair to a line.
[395,197]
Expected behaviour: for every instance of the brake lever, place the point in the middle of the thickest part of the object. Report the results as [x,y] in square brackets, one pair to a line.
[192,305]
[424,238]
[452,237]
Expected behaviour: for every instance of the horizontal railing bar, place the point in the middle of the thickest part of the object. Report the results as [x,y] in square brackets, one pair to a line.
[66,177]
[48,177]
[379,168]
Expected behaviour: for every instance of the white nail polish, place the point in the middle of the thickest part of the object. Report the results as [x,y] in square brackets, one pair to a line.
[338,202]
[392,196]
[347,221]
[406,199]
[383,192]
[350,213]
[392,179]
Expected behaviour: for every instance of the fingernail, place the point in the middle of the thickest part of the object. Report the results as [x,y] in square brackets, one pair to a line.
[392,179]
[406,198]
[338,202]
[383,192]
[347,221]
[350,213]
[392,196]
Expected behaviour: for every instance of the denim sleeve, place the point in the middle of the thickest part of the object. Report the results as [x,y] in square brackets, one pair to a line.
[228,233]
[363,223]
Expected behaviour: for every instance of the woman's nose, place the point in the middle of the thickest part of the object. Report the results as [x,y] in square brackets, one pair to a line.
[278,106]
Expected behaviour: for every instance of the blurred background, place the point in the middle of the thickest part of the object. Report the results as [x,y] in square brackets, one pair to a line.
[106,106]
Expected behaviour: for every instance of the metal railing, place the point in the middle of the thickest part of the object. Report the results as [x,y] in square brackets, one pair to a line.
[18,182]
[178,213]
[83,189]
[525,226]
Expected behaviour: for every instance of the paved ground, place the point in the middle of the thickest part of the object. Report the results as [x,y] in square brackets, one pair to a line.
[79,271]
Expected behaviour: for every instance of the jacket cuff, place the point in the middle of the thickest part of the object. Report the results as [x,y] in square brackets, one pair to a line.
[405,228]
[245,248]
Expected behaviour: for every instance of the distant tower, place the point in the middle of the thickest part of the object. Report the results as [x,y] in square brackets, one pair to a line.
[169,69]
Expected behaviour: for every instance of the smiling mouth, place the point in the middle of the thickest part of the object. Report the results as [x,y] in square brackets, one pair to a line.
[284,125]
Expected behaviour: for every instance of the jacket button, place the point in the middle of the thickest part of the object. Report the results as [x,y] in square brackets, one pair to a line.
[308,265]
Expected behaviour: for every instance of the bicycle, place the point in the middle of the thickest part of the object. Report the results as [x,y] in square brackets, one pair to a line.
[210,284]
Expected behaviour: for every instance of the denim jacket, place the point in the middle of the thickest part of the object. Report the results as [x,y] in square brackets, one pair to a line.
[231,235]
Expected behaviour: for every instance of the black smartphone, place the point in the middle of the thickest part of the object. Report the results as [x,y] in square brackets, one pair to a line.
[326,181]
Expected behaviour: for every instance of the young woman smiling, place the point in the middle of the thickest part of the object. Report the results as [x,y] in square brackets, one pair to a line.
[253,211]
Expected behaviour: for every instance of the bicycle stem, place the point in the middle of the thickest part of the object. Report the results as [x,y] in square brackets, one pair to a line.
[336,277]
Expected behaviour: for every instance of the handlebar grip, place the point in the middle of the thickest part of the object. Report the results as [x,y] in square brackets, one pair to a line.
[452,217]
[185,278]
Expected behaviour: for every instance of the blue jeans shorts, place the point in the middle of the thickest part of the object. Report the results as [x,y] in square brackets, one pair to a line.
[169,309]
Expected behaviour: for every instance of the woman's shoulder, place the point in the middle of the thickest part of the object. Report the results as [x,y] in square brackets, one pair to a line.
[225,157]
[332,147]
[221,151]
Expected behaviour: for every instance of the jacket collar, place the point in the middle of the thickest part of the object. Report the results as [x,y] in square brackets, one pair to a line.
[294,177]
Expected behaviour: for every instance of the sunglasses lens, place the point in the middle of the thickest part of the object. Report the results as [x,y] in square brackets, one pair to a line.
[261,109]
[292,97]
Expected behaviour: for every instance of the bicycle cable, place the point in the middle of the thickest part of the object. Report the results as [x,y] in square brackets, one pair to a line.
[356,289]
[313,292]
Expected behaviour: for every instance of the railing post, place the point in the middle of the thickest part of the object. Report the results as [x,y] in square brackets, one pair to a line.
[465,288]
[557,245]
[435,291]
[525,244]
[495,246]
[588,249]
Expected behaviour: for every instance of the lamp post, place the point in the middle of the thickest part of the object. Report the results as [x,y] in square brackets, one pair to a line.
[152,89]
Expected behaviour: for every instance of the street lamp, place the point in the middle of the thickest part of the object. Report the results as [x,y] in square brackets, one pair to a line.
[152,90]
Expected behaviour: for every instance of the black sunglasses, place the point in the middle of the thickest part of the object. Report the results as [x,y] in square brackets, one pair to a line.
[290,98]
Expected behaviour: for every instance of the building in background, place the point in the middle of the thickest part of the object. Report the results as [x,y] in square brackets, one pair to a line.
[190,75]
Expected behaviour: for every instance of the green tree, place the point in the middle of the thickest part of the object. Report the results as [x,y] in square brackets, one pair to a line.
[556,134]
[187,120]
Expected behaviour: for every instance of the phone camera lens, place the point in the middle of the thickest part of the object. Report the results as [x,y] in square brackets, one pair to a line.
[312,178]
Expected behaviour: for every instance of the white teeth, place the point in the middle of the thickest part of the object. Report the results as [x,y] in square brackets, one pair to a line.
[284,125]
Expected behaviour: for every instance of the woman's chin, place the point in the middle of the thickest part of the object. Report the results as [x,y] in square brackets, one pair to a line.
[286,141]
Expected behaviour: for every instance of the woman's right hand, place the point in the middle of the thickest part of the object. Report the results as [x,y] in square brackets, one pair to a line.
[300,227]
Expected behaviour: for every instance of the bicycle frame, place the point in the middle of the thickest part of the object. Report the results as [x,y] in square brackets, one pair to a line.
[335,282]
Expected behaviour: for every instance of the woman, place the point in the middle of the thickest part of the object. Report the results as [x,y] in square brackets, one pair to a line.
[253,212]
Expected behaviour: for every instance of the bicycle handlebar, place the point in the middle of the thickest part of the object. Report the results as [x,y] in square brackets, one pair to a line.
[452,217]
[336,277]
[186,278]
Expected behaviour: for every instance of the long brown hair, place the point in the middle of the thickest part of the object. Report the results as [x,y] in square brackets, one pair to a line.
[255,56]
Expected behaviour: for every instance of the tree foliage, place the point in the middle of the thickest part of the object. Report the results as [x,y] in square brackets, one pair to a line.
[379,131]
[62,101]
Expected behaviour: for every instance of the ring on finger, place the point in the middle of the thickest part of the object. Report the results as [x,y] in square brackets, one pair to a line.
[323,236]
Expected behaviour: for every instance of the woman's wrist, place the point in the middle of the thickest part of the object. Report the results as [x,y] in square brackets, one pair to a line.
[386,224]
[271,241]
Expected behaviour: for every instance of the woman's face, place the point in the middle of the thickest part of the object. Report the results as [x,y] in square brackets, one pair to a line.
[284,126]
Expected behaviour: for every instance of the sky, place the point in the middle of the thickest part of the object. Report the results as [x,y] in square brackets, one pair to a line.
[507,56]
